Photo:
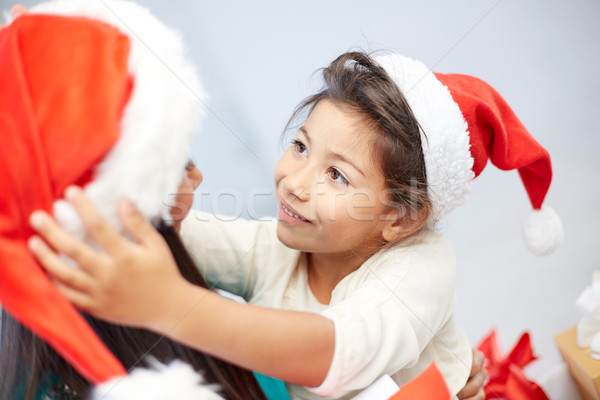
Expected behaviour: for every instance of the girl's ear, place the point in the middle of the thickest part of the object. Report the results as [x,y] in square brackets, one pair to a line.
[393,228]
[400,225]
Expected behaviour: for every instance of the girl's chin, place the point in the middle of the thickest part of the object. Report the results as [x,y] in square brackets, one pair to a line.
[286,237]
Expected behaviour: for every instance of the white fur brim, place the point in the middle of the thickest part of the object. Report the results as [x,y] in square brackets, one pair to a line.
[147,163]
[444,134]
[174,381]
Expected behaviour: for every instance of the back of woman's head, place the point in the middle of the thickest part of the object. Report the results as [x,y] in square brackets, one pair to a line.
[356,83]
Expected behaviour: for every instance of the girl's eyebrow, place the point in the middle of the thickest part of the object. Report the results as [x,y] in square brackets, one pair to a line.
[331,154]
[305,132]
[341,158]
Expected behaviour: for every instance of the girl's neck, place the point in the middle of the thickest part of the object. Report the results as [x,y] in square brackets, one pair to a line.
[326,270]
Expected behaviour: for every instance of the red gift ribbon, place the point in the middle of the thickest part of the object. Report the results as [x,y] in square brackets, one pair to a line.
[506,379]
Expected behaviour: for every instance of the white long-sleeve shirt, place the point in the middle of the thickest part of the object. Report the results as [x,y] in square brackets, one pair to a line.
[393,315]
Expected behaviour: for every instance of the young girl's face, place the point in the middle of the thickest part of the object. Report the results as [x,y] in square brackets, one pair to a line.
[330,190]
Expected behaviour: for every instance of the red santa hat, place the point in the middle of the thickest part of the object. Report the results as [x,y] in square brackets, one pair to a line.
[466,123]
[96,94]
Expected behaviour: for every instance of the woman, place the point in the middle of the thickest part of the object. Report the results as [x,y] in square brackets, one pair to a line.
[84,102]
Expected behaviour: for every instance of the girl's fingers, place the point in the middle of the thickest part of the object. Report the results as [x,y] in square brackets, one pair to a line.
[60,240]
[80,300]
[471,391]
[68,275]
[474,388]
[478,361]
[137,226]
[98,228]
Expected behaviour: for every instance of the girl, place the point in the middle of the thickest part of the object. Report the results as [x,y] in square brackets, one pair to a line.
[354,250]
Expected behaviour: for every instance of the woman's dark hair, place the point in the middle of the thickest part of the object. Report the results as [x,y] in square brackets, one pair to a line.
[355,82]
[24,358]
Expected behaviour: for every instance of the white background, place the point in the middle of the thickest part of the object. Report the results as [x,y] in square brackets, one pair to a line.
[257,60]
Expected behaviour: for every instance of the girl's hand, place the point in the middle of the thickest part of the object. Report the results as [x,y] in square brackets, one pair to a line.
[125,282]
[473,389]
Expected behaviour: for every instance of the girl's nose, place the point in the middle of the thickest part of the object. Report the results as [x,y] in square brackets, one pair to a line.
[298,184]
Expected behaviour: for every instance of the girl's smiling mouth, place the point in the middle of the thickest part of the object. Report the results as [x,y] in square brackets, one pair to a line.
[287,214]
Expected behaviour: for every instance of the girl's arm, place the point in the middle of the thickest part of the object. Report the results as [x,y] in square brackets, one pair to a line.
[273,342]
[138,284]
[237,255]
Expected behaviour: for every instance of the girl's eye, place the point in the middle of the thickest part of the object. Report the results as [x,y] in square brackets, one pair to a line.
[299,146]
[336,176]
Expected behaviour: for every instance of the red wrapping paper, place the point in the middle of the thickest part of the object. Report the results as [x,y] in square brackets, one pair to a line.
[430,385]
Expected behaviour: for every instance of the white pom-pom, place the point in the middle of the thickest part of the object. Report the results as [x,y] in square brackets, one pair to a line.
[174,381]
[543,231]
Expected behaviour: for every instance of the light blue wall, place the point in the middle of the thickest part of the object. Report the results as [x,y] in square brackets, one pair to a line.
[256,60]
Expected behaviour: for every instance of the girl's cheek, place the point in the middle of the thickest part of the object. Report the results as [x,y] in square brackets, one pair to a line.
[330,206]
[283,168]
[362,206]
[278,172]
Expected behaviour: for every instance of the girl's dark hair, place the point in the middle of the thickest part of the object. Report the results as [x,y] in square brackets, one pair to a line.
[25,359]
[355,82]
